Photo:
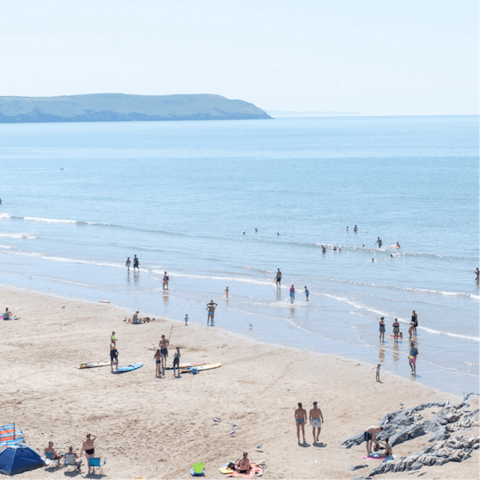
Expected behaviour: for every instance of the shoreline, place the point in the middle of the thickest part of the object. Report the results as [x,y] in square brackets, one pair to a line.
[158,427]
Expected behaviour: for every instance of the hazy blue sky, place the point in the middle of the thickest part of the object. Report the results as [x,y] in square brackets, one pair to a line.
[369,56]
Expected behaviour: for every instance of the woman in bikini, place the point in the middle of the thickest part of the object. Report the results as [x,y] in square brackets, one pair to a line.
[396,329]
[388,449]
[89,448]
[382,329]
[300,419]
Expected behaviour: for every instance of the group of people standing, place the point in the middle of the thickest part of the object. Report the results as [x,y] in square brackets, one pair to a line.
[278,281]
[412,357]
[316,418]
[161,356]
[136,263]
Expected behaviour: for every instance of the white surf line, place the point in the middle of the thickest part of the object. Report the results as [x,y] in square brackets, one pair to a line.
[400,319]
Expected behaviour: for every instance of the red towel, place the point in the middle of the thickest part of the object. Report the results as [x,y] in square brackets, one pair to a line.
[253,470]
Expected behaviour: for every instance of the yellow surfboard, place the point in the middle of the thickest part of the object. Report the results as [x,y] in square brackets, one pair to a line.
[203,367]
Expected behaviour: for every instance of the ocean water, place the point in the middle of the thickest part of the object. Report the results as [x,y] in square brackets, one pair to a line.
[79,198]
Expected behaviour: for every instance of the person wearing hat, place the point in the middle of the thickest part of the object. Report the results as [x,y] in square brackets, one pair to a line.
[316,419]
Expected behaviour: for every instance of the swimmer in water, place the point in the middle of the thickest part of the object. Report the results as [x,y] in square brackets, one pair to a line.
[226,292]
[243,233]
[391,255]
[256,230]
[347,229]
[334,249]
[398,245]
[373,259]
[355,228]
[324,250]
[477,273]
[307,293]
[379,241]
[278,233]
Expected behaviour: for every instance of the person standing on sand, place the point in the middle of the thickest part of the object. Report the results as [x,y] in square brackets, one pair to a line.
[158,363]
[164,350]
[127,264]
[186,319]
[89,448]
[382,329]
[412,358]
[136,263]
[370,437]
[377,373]
[113,355]
[176,361]
[415,322]
[211,312]
[316,419]
[300,419]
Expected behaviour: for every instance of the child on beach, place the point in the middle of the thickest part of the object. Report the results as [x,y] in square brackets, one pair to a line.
[158,363]
[226,292]
[186,319]
[377,373]
[292,294]
[307,293]
[127,264]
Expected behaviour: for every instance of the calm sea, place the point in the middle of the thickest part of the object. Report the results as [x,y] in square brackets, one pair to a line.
[79,198]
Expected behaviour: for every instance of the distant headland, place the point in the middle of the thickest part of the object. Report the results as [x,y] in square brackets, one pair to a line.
[119,107]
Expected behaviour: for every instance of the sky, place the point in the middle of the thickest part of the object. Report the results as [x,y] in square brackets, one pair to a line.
[375,57]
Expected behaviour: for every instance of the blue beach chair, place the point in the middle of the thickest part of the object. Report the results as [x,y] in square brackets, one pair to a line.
[95,463]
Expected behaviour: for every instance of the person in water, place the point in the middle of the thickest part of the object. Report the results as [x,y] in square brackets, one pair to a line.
[158,363]
[477,273]
[355,229]
[278,278]
[307,293]
[411,330]
[324,250]
[415,322]
[396,329]
[127,264]
[398,245]
[382,329]
[136,263]
[292,293]
[226,292]
[379,241]
[412,358]
[211,312]
[316,420]
[165,281]
[347,229]
[300,419]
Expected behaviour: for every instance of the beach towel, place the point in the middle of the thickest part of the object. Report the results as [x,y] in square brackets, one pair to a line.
[376,457]
[255,471]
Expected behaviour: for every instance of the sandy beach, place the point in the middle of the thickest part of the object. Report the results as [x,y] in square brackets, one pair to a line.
[157,428]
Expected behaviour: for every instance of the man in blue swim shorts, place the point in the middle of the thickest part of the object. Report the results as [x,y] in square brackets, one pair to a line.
[211,312]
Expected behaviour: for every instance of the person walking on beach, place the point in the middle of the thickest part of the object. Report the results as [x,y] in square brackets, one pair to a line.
[158,363]
[136,263]
[278,278]
[292,293]
[415,322]
[127,264]
[89,448]
[176,361]
[396,329]
[377,373]
[412,358]
[226,292]
[211,312]
[379,241]
[316,419]
[370,437]
[165,281]
[113,356]
[382,329]
[307,293]
[163,344]
[411,330]
[186,319]
[300,419]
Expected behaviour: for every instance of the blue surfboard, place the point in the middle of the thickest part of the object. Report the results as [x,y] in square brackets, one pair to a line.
[128,368]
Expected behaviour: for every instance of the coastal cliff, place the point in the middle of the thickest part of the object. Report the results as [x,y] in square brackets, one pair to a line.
[119,107]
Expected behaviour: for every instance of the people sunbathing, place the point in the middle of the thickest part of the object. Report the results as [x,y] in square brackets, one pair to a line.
[54,454]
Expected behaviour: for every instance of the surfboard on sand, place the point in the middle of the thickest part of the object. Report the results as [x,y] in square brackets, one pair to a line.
[203,367]
[128,368]
[94,364]
[186,365]
[104,301]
